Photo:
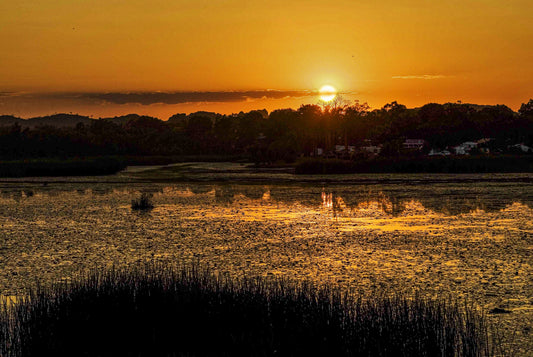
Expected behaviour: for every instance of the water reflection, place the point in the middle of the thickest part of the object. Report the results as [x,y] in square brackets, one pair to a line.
[395,203]
[396,200]
[224,194]
[390,199]
[254,192]
[101,191]
[201,189]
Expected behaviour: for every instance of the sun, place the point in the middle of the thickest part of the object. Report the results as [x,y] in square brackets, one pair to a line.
[327,93]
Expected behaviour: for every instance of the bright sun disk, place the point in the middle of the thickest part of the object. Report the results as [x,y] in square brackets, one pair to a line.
[327,93]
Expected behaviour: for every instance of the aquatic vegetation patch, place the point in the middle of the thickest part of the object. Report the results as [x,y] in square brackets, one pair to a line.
[163,310]
[143,203]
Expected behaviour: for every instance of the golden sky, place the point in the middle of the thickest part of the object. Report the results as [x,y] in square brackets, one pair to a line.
[415,52]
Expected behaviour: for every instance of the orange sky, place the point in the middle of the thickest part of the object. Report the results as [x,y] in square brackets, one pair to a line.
[415,52]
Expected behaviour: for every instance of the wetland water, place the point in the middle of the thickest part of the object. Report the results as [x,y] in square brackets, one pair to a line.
[457,239]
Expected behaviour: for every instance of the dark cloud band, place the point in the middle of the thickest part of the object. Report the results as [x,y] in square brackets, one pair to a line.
[147,98]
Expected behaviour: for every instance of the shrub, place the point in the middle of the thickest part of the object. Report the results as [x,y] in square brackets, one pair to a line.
[142,203]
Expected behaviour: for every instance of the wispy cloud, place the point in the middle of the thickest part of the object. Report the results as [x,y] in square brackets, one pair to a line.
[10,94]
[423,76]
[147,98]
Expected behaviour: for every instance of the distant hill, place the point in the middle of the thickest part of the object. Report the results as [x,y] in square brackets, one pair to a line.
[64,120]
[123,119]
[476,107]
[57,120]
[8,120]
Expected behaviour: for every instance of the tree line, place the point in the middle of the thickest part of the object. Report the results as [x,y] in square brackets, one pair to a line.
[283,134]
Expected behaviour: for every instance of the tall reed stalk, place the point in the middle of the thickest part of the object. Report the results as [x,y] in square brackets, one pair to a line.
[158,310]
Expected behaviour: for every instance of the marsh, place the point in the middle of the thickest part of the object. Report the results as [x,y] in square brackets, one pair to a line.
[466,240]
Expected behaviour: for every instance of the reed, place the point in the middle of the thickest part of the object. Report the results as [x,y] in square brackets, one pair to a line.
[161,310]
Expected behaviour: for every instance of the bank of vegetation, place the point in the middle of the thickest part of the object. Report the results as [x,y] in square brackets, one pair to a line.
[61,167]
[158,310]
[280,136]
[466,164]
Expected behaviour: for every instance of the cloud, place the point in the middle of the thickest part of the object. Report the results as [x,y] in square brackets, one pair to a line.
[10,94]
[423,76]
[147,98]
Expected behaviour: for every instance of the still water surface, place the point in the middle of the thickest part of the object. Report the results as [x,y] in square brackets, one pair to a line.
[472,240]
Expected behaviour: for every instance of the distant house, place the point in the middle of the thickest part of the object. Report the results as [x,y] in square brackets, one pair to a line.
[414,144]
[459,150]
[342,149]
[469,144]
[435,152]
[372,149]
[464,148]
[483,145]
[484,141]
[522,147]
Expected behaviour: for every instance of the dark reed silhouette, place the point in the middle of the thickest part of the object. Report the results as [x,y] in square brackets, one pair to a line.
[158,310]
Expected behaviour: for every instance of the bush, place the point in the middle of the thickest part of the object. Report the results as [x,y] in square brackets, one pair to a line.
[159,310]
[142,203]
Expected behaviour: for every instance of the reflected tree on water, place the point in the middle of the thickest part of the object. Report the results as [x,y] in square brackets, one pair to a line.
[200,189]
[224,195]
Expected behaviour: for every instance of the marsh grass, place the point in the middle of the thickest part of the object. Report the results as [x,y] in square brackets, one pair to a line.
[143,203]
[157,310]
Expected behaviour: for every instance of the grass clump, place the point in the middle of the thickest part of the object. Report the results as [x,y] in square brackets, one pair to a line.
[158,310]
[143,203]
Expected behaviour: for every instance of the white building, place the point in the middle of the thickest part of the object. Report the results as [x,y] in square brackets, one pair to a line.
[522,147]
[342,148]
[464,148]
[411,144]
[435,152]
[373,149]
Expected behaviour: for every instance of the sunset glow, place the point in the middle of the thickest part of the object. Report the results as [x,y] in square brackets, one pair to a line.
[413,52]
[266,177]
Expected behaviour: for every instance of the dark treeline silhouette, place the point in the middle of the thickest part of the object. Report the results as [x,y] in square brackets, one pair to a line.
[283,134]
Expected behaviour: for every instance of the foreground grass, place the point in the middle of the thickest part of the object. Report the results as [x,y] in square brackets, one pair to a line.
[186,311]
